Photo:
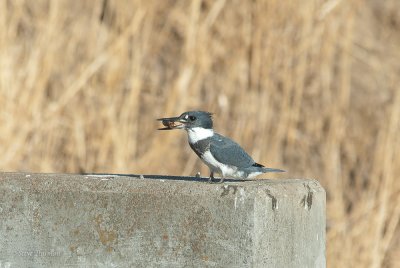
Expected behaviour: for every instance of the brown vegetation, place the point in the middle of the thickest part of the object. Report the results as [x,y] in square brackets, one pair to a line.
[308,86]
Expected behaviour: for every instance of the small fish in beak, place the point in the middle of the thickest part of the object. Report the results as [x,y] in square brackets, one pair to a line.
[171,123]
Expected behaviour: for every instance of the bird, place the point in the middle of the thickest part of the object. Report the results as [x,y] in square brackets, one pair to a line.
[221,154]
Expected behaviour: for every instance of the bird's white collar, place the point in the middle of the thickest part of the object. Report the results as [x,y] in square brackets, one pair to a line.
[198,133]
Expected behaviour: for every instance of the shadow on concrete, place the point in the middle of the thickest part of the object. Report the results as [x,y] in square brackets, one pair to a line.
[165,177]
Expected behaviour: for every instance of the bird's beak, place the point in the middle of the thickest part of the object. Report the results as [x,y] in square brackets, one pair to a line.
[172,123]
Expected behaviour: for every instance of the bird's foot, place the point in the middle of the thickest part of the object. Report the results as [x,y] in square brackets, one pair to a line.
[211,178]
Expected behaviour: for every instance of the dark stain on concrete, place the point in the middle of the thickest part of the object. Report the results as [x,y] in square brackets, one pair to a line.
[226,189]
[274,201]
[106,237]
[307,199]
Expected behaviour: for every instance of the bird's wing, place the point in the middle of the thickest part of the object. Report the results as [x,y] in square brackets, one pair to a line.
[229,152]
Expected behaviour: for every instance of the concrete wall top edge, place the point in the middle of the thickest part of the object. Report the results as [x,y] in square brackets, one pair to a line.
[150,184]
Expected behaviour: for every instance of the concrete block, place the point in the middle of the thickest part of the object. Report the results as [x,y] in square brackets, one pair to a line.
[61,220]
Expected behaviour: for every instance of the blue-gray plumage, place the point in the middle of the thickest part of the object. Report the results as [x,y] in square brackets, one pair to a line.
[219,153]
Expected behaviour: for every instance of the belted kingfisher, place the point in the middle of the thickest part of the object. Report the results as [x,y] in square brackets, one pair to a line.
[221,154]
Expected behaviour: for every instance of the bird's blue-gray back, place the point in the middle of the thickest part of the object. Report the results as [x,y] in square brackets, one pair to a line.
[229,152]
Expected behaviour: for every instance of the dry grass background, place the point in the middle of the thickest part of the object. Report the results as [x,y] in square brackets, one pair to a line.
[309,86]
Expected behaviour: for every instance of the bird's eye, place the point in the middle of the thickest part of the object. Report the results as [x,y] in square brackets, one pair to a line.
[192,117]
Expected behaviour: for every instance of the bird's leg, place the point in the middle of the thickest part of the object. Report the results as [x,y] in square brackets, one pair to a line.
[222,179]
[211,177]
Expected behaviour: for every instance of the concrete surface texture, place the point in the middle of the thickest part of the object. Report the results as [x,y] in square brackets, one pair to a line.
[65,220]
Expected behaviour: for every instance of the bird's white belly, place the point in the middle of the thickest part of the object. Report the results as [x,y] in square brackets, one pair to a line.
[216,166]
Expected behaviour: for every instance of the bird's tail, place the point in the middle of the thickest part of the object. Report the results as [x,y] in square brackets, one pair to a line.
[265,170]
